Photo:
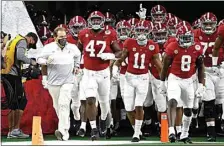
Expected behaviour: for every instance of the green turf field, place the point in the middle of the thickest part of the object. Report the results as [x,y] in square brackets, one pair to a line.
[115,141]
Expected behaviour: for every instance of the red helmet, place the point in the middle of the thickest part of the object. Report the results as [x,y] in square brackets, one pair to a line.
[133,22]
[123,29]
[169,16]
[160,33]
[158,13]
[142,30]
[185,36]
[183,23]
[221,22]
[171,25]
[197,23]
[76,24]
[63,26]
[96,20]
[44,33]
[208,23]
[110,19]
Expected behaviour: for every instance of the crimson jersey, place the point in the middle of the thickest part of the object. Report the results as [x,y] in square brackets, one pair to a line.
[139,57]
[221,31]
[183,64]
[169,40]
[124,65]
[153,68]
[93,45]
[207,42]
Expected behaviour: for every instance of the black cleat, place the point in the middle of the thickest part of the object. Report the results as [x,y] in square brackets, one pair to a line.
[178,136]
[103,129]
[94,134]
[211,139]
[58,134]
[142,137]
[135,139]
[108,133]
[147,130]
[172,138]
[186,140]
[81,132]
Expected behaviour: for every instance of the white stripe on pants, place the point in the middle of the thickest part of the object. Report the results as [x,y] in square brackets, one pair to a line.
[61,95]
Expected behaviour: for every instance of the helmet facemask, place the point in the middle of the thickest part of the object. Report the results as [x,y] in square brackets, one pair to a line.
[172,31]
[208,27]
[96,22]
[123,33]
[160,37]
[74,30]
[158,17]
[141,35]
[186,40]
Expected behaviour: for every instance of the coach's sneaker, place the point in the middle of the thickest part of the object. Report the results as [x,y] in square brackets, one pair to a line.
[172,138]
[10,136]
[94,134]
[81,132]
[135,139]
[59,135]
[186,140]
[18,133]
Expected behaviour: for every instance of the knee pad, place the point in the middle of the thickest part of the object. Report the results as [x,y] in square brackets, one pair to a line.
[188,112]
[209,109]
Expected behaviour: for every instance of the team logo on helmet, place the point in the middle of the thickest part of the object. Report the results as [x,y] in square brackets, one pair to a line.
[134,49]
[175,51]
[151,47]
[197,47]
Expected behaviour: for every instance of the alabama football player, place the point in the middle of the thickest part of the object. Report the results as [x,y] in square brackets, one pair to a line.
[140,53]
[219,42]
[185,57]
[207,35]
[99,46]
[158,14]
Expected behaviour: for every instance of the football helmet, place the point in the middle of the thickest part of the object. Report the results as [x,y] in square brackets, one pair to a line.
[44,33]
[208,23]
[123,29]
[96,20]
[110,19]
[171,26]
[185,36]
[160,33]
[221,22]
[76,24]
[142,30]
[183,23]
[158,14]
[196,24]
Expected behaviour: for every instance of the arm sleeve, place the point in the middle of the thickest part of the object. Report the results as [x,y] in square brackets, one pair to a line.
[21,52]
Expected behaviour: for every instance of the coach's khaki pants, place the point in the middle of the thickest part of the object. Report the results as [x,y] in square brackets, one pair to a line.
[61,96]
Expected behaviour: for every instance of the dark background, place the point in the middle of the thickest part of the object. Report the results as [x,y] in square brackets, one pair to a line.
[186,10]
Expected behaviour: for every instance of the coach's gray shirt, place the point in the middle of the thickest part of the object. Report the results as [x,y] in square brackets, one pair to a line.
[60,70]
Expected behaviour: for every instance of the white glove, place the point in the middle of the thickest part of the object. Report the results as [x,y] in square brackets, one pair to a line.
[200,91]
[49,60]
[216,70]
[163,89]
[44,81]
[142,12]
[107,56]
[115,73]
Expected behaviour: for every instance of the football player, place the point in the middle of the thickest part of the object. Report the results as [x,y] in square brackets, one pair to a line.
[99,46]
[158,14]
[219,42]
[184,57]
[207,35]
[140,53]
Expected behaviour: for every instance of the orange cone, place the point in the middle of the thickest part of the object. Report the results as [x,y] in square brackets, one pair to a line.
[37,135]
[164,128]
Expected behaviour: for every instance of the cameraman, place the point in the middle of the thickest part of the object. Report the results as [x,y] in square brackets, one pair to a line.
[15,56]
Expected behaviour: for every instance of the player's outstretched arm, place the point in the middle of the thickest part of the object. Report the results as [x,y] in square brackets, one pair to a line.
[218,43]
[116,49]
[167,61]
[201,69]
[157,62]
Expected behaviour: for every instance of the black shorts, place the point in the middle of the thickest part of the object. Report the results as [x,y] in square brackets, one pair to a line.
[18,96]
